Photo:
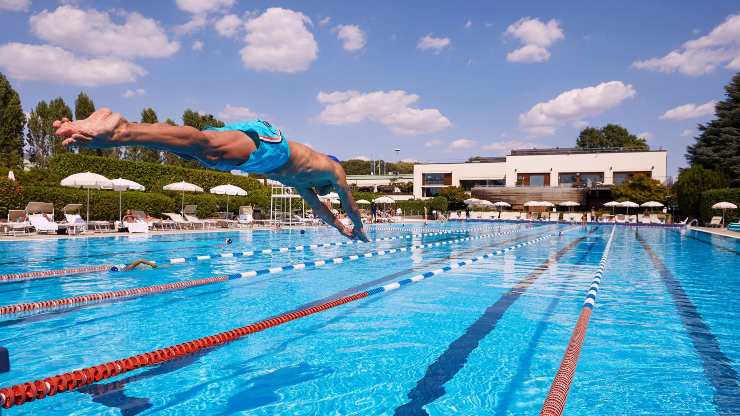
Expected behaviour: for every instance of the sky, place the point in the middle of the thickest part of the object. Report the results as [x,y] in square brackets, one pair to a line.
[439,80]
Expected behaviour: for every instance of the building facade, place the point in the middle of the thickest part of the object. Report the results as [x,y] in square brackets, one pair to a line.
[541,174]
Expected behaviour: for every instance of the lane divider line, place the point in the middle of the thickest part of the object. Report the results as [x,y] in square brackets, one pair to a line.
[46,274]
[555,401]
[35,390]
[168,287]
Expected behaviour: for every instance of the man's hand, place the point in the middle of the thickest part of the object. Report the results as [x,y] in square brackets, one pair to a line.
[95,131]
[359,234]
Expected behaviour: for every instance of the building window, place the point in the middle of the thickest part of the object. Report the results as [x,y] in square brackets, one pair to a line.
[533,179]
[580,179]
[620,177]
[468,184]
[430,191]
[436,179]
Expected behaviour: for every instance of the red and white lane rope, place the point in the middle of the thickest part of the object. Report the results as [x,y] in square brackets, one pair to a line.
[167,287]
[47,274]
[35,390]
[558,394]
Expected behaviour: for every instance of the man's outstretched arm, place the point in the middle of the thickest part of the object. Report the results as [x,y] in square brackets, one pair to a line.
[105,128]
[349,205]
[320,210]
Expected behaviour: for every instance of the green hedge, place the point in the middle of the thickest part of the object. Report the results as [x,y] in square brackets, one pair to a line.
[709,198]
[11,196]
[152,175]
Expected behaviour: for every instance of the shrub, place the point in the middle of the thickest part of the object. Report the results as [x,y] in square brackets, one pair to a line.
[709,198]
[10,196]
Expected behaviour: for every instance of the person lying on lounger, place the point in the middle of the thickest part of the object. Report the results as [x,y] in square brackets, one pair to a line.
[253,146]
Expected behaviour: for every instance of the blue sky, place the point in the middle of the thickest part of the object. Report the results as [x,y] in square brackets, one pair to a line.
[442,81]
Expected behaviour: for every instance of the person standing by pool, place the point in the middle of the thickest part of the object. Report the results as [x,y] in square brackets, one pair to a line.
[252,146]
[373,211]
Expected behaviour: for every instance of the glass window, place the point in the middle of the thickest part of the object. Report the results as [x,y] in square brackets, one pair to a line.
[430,191]
[533,179]
[620,177]
[591,179]
[436,179]
[567,179]
[468,184]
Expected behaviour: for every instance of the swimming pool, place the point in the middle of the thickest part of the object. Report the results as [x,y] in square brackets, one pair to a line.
[486,337]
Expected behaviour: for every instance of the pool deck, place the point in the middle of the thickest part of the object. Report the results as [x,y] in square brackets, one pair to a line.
[717,231]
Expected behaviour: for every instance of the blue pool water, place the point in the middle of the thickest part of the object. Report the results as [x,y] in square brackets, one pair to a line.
[664,337]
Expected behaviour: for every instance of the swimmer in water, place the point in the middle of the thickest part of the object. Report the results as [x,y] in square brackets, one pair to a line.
[251,146]
[134,265]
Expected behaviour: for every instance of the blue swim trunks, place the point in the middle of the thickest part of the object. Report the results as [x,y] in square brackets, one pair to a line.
[272,148]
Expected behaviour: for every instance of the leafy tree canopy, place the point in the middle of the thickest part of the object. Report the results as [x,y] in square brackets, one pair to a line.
[609,136]
[718,145]
[690,185]
[200,121]
[84,106]
[640,189]
[455,197]
[12,121]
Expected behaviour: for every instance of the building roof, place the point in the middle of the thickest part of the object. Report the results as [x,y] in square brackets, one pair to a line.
[576,150]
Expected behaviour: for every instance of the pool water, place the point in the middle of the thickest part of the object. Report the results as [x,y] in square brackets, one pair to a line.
[486,338]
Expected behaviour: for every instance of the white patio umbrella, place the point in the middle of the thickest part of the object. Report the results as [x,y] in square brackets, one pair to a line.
[569,204]
[546,204]
[86,180]
[628,205]
[228,190]
[612,204]
[532,204]
[484,203]
[384,200]
[500,205]
[363,202]
[120,185]
[471,201]
[724,206]
[182,187]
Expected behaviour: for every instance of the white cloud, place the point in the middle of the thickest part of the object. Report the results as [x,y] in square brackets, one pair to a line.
[94,32]
[702,55]
[688,111]
[325,21]
[196,23]
[433,44]
[352,37]
[228,25]
[536,36]
[389,108]
[278,40]
[432,143]
[529,54]
[15,5]
[573,105]
[687,132]
[468,24]
[645,135]
[204,6]
[234,113]
[461,144]
[198,45]
[580,124]
[50,63]
[508,145]
[360,157]
[133,93]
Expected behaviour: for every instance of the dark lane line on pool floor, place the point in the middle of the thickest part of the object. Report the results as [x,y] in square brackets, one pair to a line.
[525,359]
[452,360]
[717,366]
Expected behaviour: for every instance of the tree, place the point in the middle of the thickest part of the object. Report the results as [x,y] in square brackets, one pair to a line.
[609,136]
[84,106]
[356,167]
[148,115]
[200,121]
[58,110]
[12,121]
[640,189]
[455,197]
[690,185]
[38,140]
[718,145]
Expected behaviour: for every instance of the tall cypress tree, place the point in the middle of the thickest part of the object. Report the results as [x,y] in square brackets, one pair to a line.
[38,136]
[58,110]
[12,120]
[84,106]
[718,145]
[148,115]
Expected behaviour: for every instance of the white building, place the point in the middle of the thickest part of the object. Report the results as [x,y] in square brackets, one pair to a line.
[542,171]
